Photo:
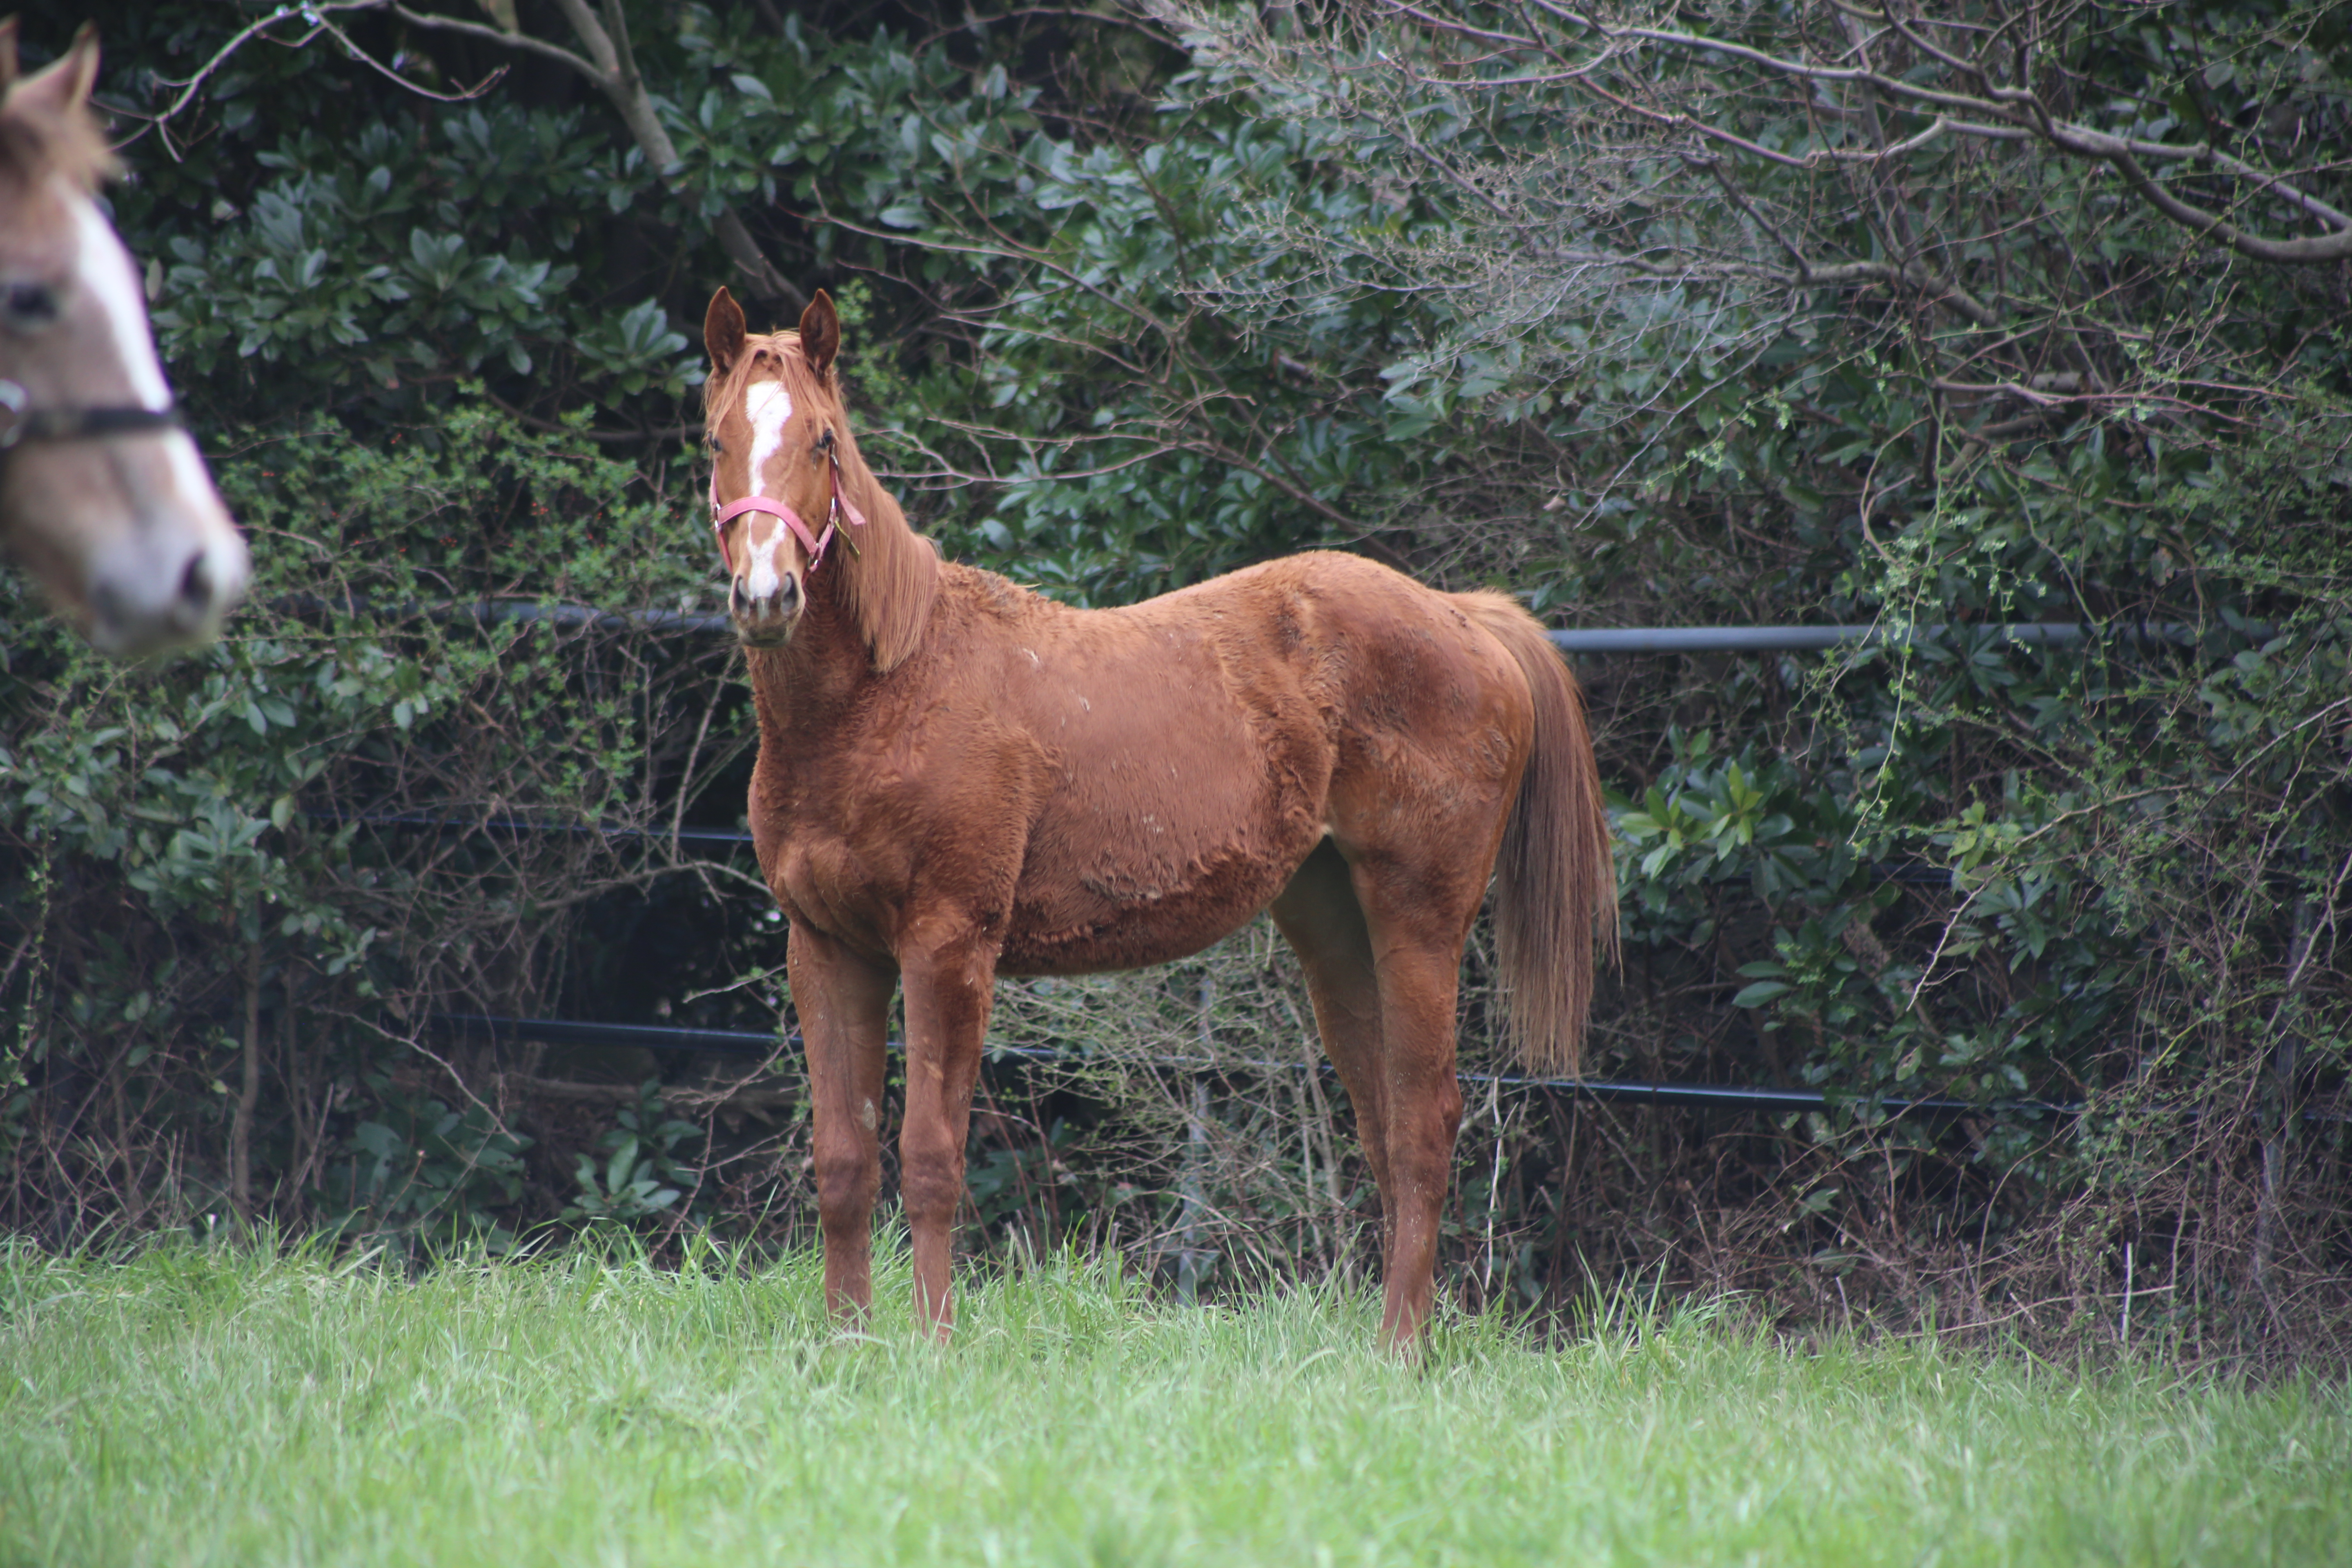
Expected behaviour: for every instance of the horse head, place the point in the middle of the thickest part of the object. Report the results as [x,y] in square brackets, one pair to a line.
[102,495]
[777,432]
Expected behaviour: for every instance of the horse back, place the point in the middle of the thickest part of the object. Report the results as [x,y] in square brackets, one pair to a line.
[1196,747]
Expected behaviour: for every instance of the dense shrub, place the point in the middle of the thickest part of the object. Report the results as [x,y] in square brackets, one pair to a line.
[1649,328]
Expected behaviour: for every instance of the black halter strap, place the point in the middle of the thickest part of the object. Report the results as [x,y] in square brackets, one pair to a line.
[24,426]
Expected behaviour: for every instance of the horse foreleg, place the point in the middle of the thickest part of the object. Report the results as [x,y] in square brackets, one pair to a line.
[948,1000]
[844,1003]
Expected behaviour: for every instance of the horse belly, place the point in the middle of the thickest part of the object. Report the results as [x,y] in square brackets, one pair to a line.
[1172,824]
[1151,925]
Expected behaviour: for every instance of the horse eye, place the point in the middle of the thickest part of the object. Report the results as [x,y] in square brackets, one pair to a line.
[716,446]
[28,307]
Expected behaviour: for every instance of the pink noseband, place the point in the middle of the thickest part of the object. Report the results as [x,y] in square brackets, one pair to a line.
[721,516]
[837,508]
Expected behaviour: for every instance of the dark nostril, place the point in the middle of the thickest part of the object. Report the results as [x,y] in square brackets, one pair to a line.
[196,584]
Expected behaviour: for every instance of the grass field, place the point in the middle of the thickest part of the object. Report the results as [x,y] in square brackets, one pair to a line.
[200,1406]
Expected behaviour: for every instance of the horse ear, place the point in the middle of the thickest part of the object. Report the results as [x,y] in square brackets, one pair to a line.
[723,331]
[820,333]
[62,86]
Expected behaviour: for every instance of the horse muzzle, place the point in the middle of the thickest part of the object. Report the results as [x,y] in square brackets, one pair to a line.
[167,586]
[764,612]
[125,531]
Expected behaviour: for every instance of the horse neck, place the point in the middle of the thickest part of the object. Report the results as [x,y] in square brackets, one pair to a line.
[802,688]
[869,611]
[888,576]
[869,607]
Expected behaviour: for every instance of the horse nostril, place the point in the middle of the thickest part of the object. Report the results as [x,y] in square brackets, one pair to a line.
[196,585]
[745,603]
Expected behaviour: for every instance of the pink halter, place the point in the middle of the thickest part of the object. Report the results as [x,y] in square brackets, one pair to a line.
[837,508]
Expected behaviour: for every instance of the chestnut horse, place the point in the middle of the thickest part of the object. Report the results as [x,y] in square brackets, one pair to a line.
[102,496]
[959,779]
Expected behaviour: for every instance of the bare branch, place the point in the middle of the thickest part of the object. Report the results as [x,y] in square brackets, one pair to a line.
[461,96]
[316,14]
[2009,113]
[612,66]
[523,41]
[2334,247]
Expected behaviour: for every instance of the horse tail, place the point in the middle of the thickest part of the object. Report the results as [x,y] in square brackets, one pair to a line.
[1555,883]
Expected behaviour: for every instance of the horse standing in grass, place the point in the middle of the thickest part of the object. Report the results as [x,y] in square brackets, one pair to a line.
[102,496]
[959,779]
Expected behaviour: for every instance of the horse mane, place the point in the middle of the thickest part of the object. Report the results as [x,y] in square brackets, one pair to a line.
[892,577]
[34,142]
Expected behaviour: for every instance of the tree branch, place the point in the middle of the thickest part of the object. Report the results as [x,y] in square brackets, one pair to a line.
[1802,275]
[2009,113]
[611,66]
[523,41]
[315,14]
[2334,247]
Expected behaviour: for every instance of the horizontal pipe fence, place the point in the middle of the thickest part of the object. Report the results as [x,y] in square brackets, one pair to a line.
[1755,1098]
[753,1044]
[1589,640]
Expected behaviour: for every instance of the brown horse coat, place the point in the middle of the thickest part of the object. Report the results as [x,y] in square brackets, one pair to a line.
[959,778]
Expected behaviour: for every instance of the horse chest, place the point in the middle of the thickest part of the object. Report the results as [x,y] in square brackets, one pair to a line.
[828,864]
[820,879]
[862,868]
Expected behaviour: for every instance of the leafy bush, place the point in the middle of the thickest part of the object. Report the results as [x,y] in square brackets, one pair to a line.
[1649,329]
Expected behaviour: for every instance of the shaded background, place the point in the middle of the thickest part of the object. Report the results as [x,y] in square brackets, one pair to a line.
[1647,331]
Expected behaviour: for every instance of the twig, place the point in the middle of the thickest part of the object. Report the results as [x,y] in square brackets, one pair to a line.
[611,69]
[316,14]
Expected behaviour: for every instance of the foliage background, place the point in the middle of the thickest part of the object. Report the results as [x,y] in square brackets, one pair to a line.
[1649,333]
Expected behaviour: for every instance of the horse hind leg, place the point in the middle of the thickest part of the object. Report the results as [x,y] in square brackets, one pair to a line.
[1386,932]
[1318,916]
[1422,1101]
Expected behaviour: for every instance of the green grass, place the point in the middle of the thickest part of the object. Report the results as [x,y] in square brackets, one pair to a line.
[200,1406]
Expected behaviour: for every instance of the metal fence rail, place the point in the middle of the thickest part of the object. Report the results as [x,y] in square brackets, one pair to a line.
[739,837]
[1803,639]
[1603,640]
[753,1044]
[1594,640]
[515,827]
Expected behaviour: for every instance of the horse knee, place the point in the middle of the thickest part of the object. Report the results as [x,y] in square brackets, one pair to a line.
[931,1180]
[846,1180]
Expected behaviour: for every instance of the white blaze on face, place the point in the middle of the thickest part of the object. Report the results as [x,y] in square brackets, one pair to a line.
[189,512]
[105,269]
[768,405]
